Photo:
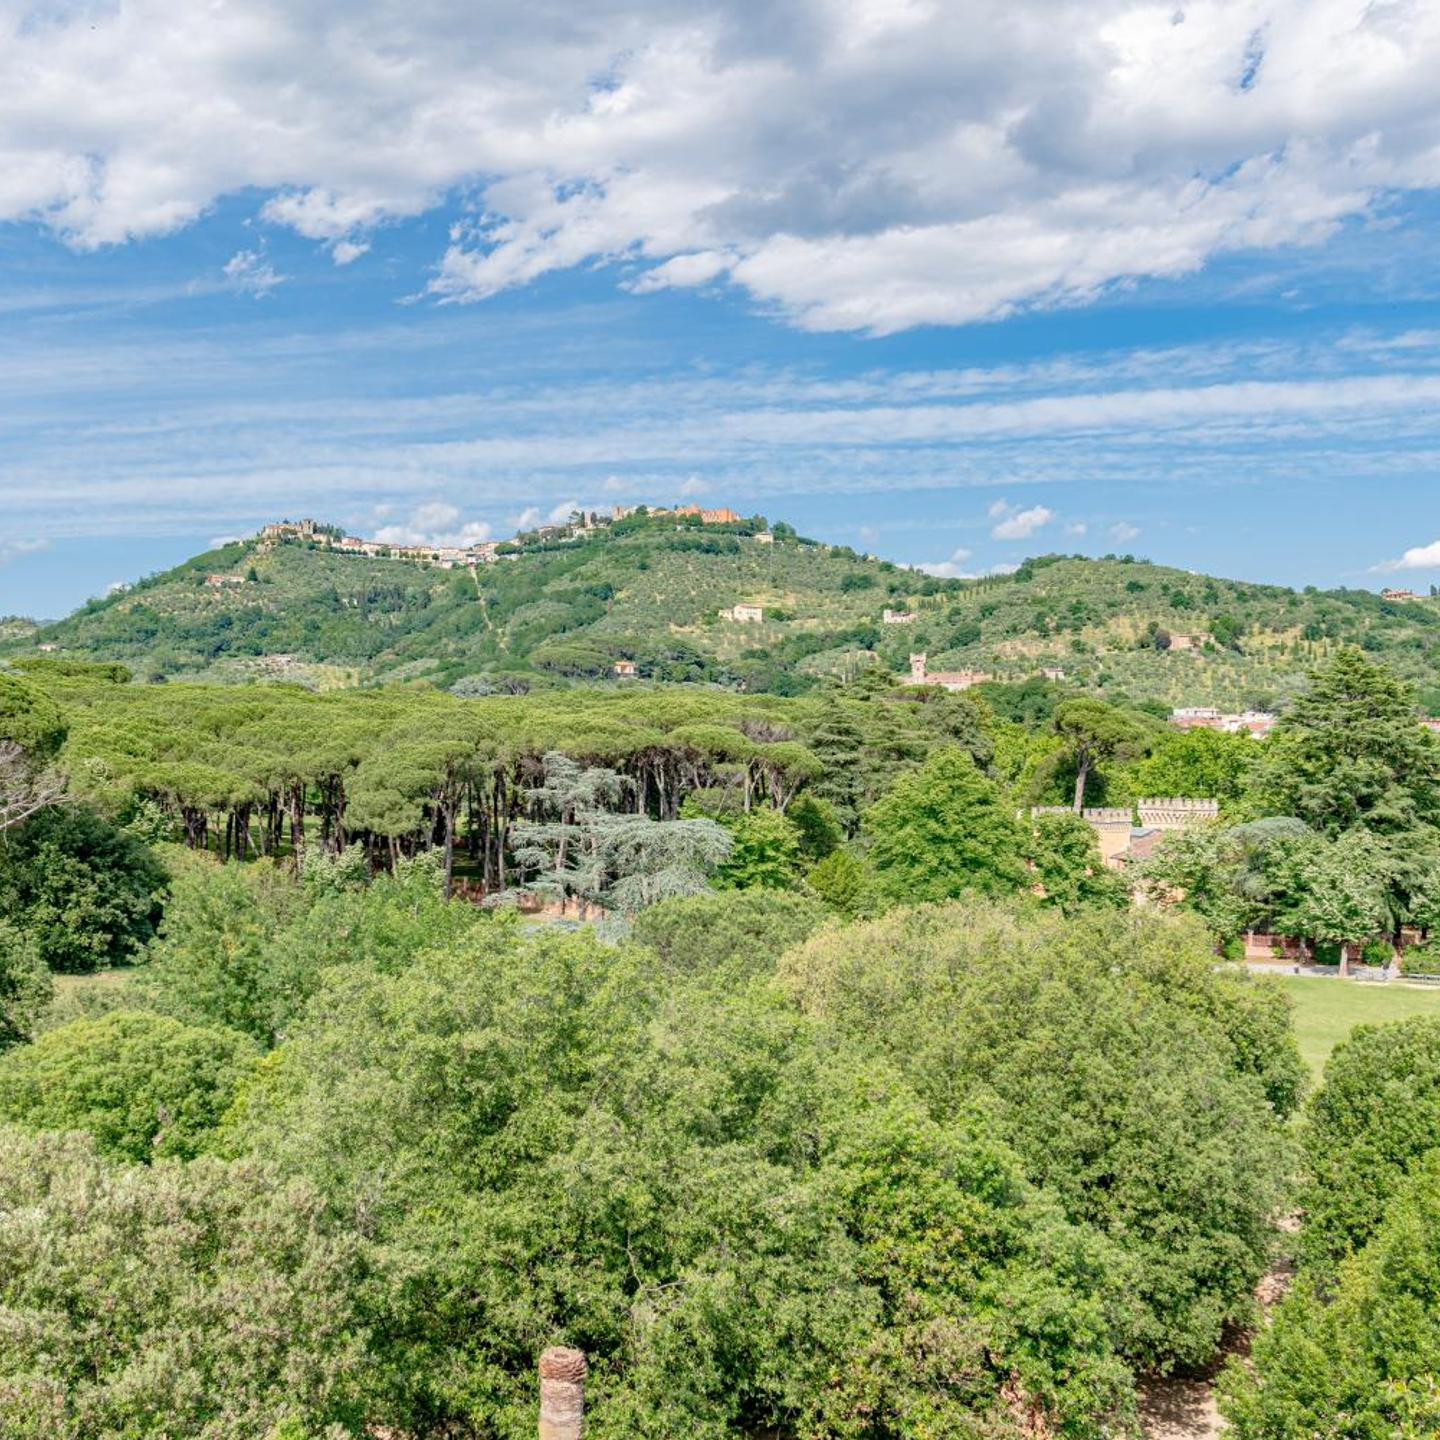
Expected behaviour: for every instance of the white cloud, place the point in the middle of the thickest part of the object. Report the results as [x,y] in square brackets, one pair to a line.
[1077,528]
[951,569]
[1022,524]
[693,485]
[434,523]
[533,515]
[138,435]
[344,251]
[865,166]
[1122,532]
[250,273]
[1418,557]
[14,549]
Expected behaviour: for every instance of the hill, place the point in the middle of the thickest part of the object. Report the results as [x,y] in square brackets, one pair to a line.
[570,603]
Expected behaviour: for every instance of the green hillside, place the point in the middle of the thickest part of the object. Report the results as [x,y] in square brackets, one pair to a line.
[650,590]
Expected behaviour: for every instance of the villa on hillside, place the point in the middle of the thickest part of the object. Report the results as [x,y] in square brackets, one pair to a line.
[898,617]
[946,679]
[624,669]
[745,614]
[1190,640]
[1399,595]
[1258,723]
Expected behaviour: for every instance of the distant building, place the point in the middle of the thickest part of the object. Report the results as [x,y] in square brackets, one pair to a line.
[220,582]
[745,614]
[1258,723]
[1053,672]
[709,517]
[1176,814]
[764,537]
[624,669]
[1430,722]
[898,617]
[1399,595]
[1121,840]
[1190,640]
[1197,717]
[946,679]
[290,530]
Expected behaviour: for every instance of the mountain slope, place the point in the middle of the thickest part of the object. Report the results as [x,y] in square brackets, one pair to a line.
[651,591]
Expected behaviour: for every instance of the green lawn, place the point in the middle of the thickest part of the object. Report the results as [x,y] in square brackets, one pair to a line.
[1327,1010]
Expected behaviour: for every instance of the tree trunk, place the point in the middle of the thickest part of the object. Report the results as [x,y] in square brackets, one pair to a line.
[1081,776]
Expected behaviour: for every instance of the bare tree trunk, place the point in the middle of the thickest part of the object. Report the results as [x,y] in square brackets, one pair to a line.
[1081,776]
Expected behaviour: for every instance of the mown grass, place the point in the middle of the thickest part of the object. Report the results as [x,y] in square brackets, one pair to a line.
[1327,1010]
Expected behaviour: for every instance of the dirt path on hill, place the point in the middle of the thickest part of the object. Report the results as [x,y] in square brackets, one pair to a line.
[1186,1409]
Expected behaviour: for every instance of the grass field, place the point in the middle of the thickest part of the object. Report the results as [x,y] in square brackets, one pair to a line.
[1327,1010]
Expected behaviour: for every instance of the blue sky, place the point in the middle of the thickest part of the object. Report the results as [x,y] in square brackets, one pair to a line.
[923,278]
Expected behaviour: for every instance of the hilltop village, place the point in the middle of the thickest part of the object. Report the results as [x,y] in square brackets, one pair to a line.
[485,552]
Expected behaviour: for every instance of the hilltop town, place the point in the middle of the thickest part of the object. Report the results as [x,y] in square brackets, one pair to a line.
[486,552]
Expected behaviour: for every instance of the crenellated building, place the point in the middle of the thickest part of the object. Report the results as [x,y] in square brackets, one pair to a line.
[946,679]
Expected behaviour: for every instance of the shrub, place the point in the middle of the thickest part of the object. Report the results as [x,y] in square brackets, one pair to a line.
[727,937]
[88,893]
[1359,1356]
[142,1084]
[1376,1112]
[184,1300]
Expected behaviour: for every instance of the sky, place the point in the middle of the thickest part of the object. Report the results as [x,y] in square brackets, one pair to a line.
[952,281]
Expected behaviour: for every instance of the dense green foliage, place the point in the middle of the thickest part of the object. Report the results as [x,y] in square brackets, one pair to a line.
[1358,1358]
[25,984]
[941,831]
[727,938]
[85,893]
[1376,1114]
[1352,1351]
[29,716]
[1160,1127]
[143,1085]
[200,1299]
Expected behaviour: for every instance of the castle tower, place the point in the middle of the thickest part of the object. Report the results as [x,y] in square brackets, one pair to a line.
[1173,814]
[917,669]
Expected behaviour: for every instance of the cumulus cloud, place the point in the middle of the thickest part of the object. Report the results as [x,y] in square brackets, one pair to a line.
[13,549]
[434,523]
[951,569]
[1122,532]
[853,166]
[344,251]
[251,274]
[533,515]
[1418,557]
[1019,524]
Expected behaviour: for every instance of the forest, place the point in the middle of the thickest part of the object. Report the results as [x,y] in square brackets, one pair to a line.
[794,1057]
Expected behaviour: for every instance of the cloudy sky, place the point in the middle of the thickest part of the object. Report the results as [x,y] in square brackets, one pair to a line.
[951,280]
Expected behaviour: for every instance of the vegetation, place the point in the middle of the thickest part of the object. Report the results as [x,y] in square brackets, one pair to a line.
[1354,1342]
[1326,1013]
[873,1111]
[650,590]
